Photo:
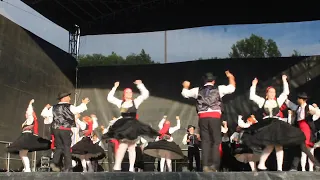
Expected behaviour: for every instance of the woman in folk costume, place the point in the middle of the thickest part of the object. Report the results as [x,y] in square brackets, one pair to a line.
[29,140]
[164,147]
[270,132]
[127,129]
[240,151]
[85,149]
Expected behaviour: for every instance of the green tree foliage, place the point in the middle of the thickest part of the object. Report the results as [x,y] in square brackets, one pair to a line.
[254,47]
[296,53]
[115,59]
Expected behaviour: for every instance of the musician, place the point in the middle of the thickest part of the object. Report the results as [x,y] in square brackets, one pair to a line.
[193,141]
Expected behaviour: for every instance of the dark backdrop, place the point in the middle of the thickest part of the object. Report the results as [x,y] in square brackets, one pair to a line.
[29,68]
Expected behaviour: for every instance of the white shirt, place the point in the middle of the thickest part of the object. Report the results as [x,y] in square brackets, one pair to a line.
[95,123]
[48,115]
[237,136]
[171,129]
[270,104]
[30,118]
[193,93]
[137,101]
[301,110]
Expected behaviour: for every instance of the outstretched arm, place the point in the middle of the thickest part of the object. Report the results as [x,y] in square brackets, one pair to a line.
[189,93]
[229,89]
[144,93]
[82,107]
[175,128]
[253,96]
[113,100]
[160,125]
[284,95]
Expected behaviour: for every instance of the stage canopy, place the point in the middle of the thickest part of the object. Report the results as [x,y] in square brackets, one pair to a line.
[130,16]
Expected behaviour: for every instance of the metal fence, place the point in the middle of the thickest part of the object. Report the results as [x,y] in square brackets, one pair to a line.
[10,158]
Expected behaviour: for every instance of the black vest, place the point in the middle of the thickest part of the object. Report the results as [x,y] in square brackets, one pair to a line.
[62,116]
[310,122]
[130,112]
[209,97]
[194,142]
[274,113]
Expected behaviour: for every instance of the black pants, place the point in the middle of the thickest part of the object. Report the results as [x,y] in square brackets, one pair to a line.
[47,135]
[110,156]
[62,142]
[297,156]
[210,133]
[194,152]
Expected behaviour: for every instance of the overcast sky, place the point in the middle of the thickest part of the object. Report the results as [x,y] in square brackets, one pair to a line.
[183,45]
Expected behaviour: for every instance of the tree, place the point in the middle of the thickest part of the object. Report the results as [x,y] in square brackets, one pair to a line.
[296,53]
[254,47]
[115,59]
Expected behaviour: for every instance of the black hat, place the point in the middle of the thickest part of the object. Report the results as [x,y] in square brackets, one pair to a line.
[209,77]
[62,95]
[190,126]
[303,95]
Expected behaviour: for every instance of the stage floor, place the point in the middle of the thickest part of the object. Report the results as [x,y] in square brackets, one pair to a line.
[162,176]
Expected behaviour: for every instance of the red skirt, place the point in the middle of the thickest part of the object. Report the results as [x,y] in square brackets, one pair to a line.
[303,125]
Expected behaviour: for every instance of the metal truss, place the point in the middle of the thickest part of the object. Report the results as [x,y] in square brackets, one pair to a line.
[74,41]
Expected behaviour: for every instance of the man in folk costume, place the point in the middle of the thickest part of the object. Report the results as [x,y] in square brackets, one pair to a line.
[193,141]
[62,117]
[209,108]
[304,121]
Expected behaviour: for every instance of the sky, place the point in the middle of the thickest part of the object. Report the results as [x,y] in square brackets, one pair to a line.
[182,45]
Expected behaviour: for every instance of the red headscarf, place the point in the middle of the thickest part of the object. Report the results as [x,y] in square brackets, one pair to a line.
[35,124]
[165,129]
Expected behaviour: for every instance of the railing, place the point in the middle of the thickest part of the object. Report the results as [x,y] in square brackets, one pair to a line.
[8,159]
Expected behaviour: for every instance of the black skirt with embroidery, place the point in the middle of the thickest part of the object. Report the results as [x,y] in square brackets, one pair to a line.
[130,129]
[272,131]
[29,141]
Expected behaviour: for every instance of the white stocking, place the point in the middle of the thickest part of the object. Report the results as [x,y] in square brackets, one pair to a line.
[132,156]
[162,164]
[119,156]
[303,161]
[83,163]
[264,156]
[252,165]
[25,160]
[279,155]
[169,165]
[310,162]
[88,162]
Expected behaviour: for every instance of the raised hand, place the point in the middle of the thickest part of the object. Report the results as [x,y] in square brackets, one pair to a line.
[116,84]
[254,82]
[177,118]
[284,77]
[85,100]
[137,82]
[228,74]
[32,101]
[186,84]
